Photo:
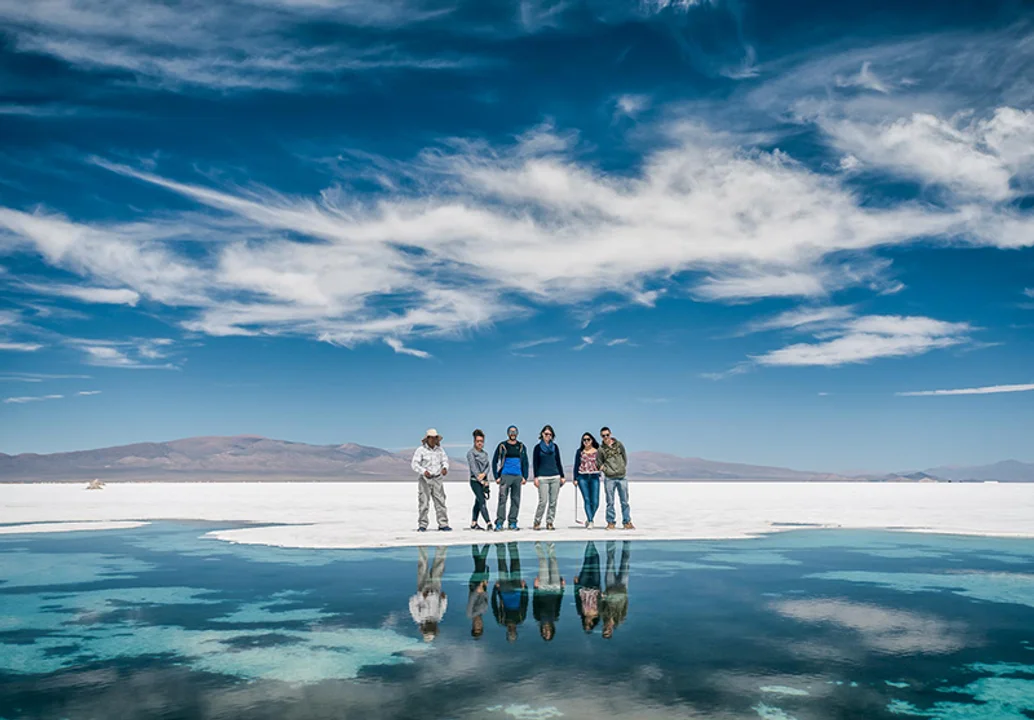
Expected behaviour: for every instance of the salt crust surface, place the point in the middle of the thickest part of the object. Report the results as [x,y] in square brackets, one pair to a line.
[360,515]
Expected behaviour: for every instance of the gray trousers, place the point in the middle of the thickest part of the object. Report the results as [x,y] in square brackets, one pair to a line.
[509,485]
[430,578]
[549,490]
[431,489]
[549,570]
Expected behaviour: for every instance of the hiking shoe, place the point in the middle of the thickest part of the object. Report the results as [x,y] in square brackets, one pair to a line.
[611,526]
[445,528]
[629,526]
[513,526]
[421,529]
[475,526]
[536,526]
[498,526]
[549,526]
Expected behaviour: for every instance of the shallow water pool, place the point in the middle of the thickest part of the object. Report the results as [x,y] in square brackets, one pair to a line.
[162,622]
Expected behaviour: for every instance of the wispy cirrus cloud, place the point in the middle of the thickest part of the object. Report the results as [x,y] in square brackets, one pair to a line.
[38,377]
[986,390]
[99,295]
[86,393]
[233,45]
[31,398]
[528,344]
[19,346]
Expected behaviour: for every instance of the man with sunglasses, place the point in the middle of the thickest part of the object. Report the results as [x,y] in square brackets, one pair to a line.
[614,465]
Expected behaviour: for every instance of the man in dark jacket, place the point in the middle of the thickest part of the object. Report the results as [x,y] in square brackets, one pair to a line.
[510,468]
[510,594]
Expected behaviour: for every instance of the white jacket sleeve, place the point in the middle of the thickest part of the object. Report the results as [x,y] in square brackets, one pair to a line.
[418,461]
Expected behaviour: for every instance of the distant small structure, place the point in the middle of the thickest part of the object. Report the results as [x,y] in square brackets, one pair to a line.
[95,484]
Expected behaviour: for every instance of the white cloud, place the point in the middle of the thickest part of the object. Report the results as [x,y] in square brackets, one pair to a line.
[974,158]
[871,337]
[129,354]
[84,393]
[986,390]
[29,399]
[617,341]
[1029,292]
[19,346]
[396,345]
[587,340]
[108,296]
[38,377]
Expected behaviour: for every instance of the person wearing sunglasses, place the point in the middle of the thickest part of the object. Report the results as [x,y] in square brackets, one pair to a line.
[614,464]
[587,476]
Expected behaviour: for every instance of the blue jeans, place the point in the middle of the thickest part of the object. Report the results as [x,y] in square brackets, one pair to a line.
[590,487]
[621,485]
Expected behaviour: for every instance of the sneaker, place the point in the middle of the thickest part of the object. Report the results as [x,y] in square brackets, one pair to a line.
[589,525]
[549,526]
[513,526]
[445,528]
[536,526]
[629,526]
[498,526]
[611,526]
[475,526]
[421,529]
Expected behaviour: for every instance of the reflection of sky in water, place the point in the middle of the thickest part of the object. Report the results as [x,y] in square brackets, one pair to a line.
[808,624]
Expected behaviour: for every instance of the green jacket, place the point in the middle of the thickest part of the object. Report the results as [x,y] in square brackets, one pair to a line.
[613,459]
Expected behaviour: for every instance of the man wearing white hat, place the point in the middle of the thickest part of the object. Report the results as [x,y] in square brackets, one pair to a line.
[431,464]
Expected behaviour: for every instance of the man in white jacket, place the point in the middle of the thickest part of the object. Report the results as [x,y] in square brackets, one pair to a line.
[429,604]
[431,464]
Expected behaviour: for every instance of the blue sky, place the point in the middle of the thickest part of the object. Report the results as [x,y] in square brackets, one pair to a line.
[767,232]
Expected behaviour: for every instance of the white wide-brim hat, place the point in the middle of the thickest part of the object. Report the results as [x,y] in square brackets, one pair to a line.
[431,432]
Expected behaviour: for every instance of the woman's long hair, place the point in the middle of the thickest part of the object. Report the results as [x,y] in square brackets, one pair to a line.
[592,440]
[547,427]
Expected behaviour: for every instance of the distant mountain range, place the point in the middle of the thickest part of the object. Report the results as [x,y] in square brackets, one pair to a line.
[248,457]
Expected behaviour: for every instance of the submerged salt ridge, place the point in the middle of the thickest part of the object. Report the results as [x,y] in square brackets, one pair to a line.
[358,515]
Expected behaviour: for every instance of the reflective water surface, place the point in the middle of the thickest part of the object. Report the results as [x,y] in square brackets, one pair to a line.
[162,622]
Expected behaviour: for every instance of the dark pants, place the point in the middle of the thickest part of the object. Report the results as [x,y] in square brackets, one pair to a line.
[590,487]
[480,506]
[509,485]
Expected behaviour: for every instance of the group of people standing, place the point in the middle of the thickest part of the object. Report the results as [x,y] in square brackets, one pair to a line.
[509,467]
[598,597]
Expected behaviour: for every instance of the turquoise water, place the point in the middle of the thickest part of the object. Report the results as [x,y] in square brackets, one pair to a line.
[161,622]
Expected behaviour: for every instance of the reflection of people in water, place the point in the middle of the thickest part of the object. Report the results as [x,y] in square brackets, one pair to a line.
[477,596]
[428,605]
[549,590]
[510,594]
[614,601]
[587,588]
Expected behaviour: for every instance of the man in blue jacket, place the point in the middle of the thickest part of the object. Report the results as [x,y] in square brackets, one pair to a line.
[510,468]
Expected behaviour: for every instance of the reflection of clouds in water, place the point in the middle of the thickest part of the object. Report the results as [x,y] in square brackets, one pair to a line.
[767,712]
[894,632]
[750,557]
[30,569]
[104,625]
[667,568]
[998,696]
[997,587]
[527,712]
[784,690]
